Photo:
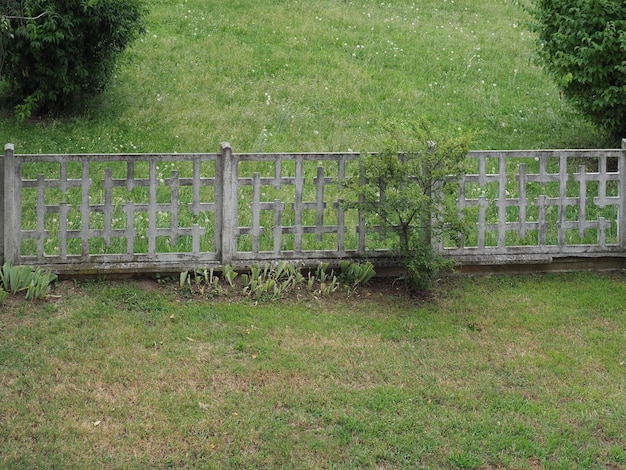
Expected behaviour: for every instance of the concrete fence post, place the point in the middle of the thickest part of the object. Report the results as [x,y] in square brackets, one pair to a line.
[622,193]
[8,228]
[227,174]
[2,206]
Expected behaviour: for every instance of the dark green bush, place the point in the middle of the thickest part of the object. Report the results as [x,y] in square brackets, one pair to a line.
[59,51]
[582,44]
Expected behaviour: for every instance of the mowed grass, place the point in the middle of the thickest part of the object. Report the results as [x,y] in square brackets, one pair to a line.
[510,372]
[292,75]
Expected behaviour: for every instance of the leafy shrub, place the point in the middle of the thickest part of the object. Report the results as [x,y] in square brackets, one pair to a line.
[582,44]
[407,190]
[58,51]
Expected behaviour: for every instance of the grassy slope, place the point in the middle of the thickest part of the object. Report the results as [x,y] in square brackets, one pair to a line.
[515,372]
[289,75]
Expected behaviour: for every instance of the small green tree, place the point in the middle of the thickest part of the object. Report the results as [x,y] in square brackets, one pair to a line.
[582,45]
[57,51]
[408,189]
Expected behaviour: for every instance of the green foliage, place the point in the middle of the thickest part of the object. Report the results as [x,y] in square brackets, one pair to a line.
[582,44]
[3,296]
[201,281]
[14,279]
[324,281]
[229,274]
[58,51]
[272,281]
[325,278]
[409,189]
[355,274]
[424,264]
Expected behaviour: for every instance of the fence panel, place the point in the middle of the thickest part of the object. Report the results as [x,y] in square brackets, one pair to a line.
[535,205]
[290,208]
[93,213]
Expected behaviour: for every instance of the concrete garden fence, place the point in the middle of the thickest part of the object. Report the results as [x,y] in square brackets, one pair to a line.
[121,213]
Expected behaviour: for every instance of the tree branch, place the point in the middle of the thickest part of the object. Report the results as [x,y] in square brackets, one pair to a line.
[27,18]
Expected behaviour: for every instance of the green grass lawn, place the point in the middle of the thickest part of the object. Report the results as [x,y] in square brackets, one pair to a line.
[292,75]
[505,372]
